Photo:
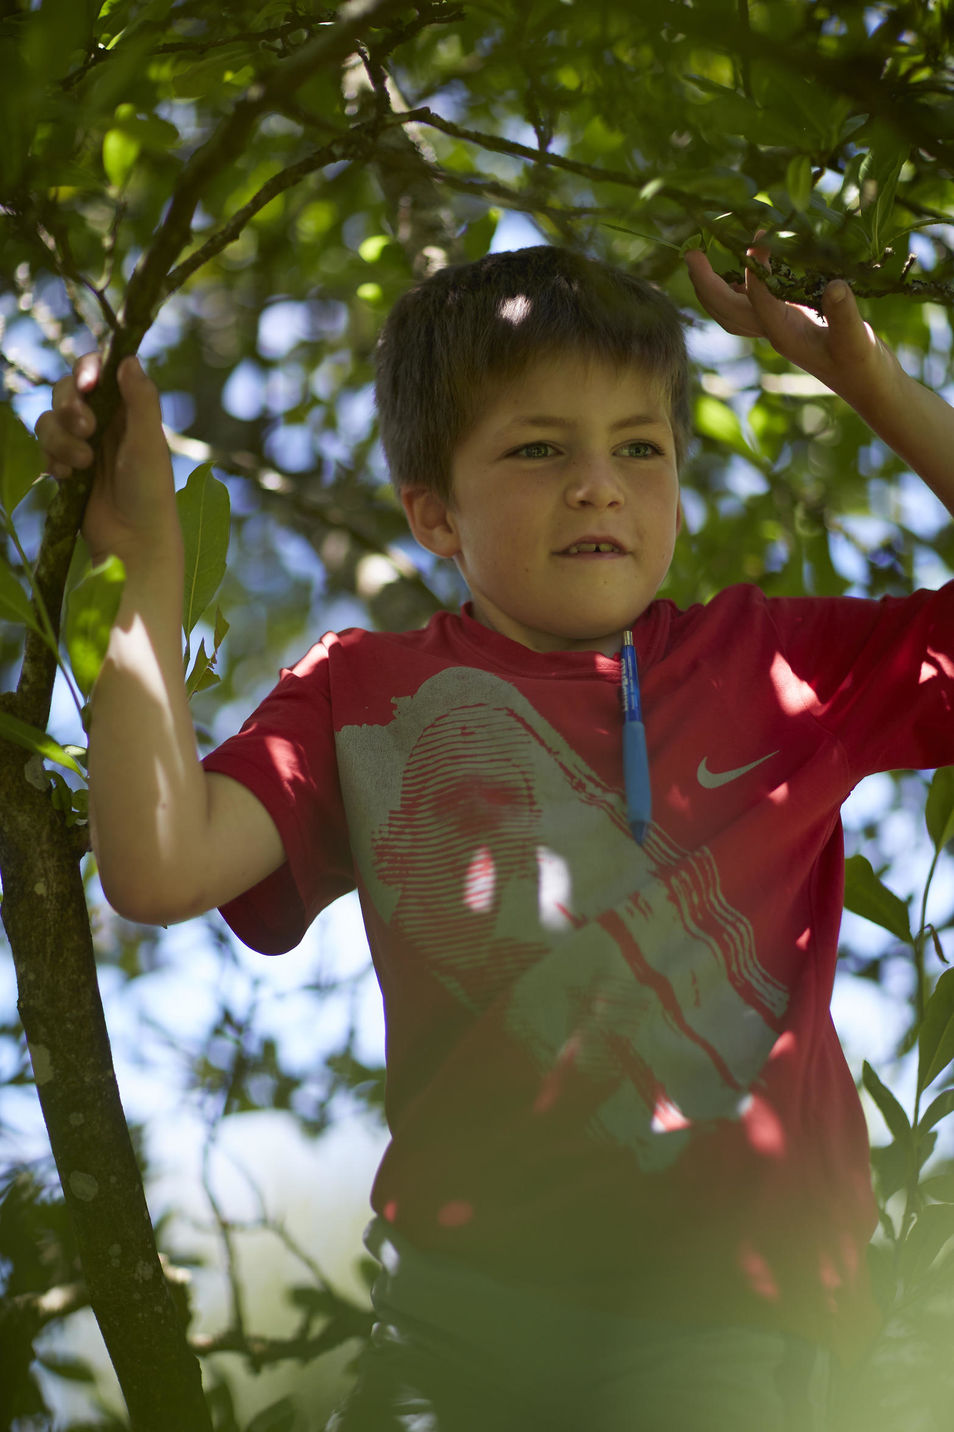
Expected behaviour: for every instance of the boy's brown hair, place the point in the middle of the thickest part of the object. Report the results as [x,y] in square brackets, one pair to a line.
[451,339]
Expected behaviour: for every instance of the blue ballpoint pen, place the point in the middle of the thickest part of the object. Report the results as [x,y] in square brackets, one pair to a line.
[635,756]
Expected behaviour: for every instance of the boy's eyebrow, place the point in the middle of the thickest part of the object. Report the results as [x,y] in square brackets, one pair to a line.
[544,420]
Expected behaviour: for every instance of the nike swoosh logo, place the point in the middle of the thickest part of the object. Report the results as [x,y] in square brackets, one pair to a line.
[712,780]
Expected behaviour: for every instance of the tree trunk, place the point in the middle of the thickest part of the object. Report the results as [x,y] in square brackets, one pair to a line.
[45,916]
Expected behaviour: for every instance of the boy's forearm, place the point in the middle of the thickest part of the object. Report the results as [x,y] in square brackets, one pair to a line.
[147,789]
[917,424]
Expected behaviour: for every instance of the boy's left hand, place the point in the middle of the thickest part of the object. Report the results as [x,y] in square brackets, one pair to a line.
[841,350]
[843,353]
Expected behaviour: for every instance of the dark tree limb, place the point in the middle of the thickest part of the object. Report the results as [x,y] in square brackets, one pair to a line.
[45,917]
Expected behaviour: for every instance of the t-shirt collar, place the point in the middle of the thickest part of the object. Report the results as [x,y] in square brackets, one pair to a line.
[511,655]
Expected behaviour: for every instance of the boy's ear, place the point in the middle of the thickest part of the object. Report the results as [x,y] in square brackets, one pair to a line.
[431,520]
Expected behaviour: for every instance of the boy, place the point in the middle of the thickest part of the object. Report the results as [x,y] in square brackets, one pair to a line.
[628,1179]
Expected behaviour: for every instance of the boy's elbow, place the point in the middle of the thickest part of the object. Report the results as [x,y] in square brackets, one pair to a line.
[151,900]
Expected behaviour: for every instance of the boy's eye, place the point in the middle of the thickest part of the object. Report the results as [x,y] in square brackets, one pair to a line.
[538,449]
[636,448]
[639,447]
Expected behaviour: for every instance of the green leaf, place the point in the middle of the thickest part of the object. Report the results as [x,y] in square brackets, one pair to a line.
[936,1111]
[938,947]
[31,738]
[202,675]
[891,1111]
[204,516]
[798,181]
[478,235]
[891,1166]
[372,248]
[56,35]
[941,1187]
[933,1229]
[148,130]
[90,613]
[73,1369]
[715,419]
[865,895]
[15,605]
[936,1041]
[939,809]
[19,102]
[21,461]
[280,1416]
[877,183]
[222,628]
[120,152]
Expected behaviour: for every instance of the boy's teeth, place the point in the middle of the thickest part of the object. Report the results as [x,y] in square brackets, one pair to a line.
[592,547]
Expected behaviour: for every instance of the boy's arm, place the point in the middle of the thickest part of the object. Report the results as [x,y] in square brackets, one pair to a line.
[170,840]
[845,355]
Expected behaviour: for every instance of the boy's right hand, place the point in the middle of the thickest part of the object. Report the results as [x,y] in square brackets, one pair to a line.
[131,510]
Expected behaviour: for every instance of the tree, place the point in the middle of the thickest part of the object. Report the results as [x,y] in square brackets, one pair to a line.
[245,190]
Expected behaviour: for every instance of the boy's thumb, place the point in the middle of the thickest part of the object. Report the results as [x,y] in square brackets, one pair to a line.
[138,390]
[837,300]
[130,372]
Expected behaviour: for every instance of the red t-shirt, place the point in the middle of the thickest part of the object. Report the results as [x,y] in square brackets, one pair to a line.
[612,1071]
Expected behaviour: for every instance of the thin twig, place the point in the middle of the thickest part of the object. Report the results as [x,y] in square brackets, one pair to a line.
[226,1236]
[348,145]
[425,115]
[351,1322]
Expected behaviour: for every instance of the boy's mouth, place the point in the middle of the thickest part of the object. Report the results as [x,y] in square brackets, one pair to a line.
[599,545]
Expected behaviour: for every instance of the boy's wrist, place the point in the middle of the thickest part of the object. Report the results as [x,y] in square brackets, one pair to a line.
[153,586]
[151,554]
[878,391]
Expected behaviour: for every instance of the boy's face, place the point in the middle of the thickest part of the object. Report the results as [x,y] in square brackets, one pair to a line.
[569,454]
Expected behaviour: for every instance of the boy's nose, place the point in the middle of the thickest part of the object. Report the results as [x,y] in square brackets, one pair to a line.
[594,483]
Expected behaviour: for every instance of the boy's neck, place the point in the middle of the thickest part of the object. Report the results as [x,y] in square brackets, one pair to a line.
[546,642]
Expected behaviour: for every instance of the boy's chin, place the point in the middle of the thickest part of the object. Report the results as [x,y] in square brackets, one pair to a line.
[603,627]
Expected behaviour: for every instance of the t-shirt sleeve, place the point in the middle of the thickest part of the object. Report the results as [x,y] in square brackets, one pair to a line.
[881,674]
[285,755]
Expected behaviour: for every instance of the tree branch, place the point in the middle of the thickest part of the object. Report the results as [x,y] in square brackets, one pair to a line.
[425,115]
[26,1314]
[347,146]
[45,917]
[423,223]
[807,287]
[283,78]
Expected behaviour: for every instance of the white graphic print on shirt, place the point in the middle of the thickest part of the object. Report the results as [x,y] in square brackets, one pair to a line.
[486,842]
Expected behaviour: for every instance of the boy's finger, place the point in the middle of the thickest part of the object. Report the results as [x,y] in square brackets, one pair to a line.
[70,418]
[729,306]
[758,250]
[62,446]
[86,371]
